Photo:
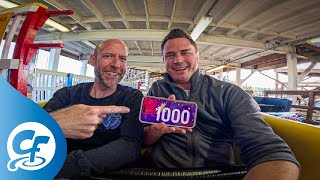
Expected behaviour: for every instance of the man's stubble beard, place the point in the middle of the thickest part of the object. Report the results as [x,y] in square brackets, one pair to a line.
[107,83]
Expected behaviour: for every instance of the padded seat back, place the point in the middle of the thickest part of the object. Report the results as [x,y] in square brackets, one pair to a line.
[280,104]
[304,141]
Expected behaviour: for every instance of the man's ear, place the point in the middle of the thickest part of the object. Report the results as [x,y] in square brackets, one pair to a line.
[92,60]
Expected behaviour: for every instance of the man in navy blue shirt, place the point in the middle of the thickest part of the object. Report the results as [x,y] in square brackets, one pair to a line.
[99,119]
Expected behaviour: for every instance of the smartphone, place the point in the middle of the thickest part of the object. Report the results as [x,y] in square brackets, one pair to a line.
[176,113]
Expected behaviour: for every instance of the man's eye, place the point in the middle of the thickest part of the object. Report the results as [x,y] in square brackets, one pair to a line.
[169,56]
[107,56]
[185,53]
[123,59]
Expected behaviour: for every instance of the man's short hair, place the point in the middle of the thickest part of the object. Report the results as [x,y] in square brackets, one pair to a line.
[177,33]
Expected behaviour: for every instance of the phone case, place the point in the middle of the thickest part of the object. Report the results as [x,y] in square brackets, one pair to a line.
[176,113]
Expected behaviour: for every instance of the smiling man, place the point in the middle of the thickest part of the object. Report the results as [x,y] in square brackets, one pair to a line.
[181,61]
[100,118]
[227,115]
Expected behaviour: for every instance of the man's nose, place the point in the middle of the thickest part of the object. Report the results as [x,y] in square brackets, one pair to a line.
[116,61]
[178,59]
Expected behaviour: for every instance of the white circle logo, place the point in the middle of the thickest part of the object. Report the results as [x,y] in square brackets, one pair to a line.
[31,146]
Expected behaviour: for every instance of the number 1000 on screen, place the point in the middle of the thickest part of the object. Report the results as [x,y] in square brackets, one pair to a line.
[173,113]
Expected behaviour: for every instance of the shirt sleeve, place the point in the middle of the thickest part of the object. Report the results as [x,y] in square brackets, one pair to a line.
[255,138]
[58,101]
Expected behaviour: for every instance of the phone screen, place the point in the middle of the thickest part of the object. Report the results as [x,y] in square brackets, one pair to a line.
[173,113]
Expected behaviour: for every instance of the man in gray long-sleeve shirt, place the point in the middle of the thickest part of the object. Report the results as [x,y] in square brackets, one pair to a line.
[226,115]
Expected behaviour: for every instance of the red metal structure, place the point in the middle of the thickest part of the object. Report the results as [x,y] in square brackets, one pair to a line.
[25,49]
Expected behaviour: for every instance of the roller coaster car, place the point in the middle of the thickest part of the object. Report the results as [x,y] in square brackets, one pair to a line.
[303,139]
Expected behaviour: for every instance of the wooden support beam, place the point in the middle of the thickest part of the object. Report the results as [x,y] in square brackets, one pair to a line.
[311,55]
[306,72]
[281,65]
[312,47]
[172,14]
[278,62]
[264,59]
[309,75]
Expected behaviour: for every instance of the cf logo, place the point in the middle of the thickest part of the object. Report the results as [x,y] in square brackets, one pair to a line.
[31,146]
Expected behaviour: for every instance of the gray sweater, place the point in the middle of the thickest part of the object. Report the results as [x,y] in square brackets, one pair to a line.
[227,116]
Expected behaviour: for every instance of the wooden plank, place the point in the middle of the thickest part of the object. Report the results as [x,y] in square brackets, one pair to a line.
[290,92]
[310,104]
[305,107]
[264,59]
[311,47]
[23,9]
[278,62]
[9,63]
[300,106]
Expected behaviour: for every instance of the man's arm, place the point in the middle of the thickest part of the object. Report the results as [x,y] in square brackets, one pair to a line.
[276,170]
[264,153]
[80,121]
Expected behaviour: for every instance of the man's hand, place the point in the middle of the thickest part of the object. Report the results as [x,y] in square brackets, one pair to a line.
[80,121]
[153,132]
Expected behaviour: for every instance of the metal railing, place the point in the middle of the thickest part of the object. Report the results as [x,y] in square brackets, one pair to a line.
[46,83]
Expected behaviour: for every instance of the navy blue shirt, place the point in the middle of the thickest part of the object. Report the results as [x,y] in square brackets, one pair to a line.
[107,149]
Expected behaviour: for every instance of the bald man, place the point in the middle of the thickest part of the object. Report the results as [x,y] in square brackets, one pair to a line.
[99,119]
